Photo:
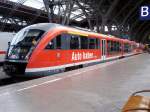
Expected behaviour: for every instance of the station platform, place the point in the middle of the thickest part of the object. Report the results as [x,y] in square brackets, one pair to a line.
[99,88]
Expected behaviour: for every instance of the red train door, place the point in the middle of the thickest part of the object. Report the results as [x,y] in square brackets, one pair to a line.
[103,49]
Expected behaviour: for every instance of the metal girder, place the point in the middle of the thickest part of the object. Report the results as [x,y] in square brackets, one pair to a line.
[142,31]
[64,14]
[134,23]
[78,16]
[85,13]
[140,28]
[98,13]
[39,12]
[131,11]
[16,15]
[49,4]
[12,20]
[15,6]
[145,36]
[69,7]
[107,15]
[122,9]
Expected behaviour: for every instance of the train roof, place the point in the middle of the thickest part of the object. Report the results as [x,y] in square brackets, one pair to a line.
[44,26]
[48,26]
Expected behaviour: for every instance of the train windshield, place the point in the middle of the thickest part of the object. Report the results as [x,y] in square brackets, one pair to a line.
[27,37]
[23,43]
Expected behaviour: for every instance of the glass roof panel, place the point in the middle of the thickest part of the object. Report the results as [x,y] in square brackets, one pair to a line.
[38,4]
[14,0]
[34,3]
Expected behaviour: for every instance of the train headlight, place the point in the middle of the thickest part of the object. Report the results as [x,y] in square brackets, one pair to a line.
[14,53]
[14,56]
[27,56]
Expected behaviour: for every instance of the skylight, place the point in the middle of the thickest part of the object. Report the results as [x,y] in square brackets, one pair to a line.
[38,4]
[34,3]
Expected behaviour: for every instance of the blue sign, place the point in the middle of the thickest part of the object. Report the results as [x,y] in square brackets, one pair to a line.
[145,12]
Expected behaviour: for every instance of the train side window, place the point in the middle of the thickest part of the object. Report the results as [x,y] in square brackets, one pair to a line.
[84,42]
[97,43]
[51,44]
[130,48]
[112,46]
[74,42]
[120,47]
[92,43]
[109,46]
[117,46]
[55,43]
[58,42]
[127,48]
[65,39]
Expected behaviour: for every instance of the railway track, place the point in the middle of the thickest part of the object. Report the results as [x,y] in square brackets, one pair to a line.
[6,80]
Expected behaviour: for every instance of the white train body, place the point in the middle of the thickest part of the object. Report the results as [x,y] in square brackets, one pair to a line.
[5,37]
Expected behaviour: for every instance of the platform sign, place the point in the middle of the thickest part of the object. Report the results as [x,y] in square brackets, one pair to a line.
[145,12]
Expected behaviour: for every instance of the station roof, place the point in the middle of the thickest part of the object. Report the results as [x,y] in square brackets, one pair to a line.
[120,15]
[39,4]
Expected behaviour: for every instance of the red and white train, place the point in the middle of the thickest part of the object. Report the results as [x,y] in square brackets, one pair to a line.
[46,48]
[5,37]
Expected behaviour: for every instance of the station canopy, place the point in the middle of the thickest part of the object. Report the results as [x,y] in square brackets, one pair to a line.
[116,17]
[76,12]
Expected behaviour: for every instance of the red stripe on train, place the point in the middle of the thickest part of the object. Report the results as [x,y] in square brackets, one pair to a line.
[2,52]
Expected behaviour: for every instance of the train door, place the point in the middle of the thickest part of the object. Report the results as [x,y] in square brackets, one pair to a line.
[61,49]
[103,50]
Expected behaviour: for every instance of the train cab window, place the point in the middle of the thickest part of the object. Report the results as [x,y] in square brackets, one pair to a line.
[84,42]
[74,42]
[27,38]
[92,43]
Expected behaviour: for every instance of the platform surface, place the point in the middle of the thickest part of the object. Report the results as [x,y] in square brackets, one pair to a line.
[100,88]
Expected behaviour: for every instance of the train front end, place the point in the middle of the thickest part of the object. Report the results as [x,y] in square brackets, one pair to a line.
[20,50]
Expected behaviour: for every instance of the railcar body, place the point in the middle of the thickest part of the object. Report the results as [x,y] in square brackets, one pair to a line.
[5,37]
[46,48]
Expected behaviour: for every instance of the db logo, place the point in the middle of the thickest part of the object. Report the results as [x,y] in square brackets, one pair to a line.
[145,13]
